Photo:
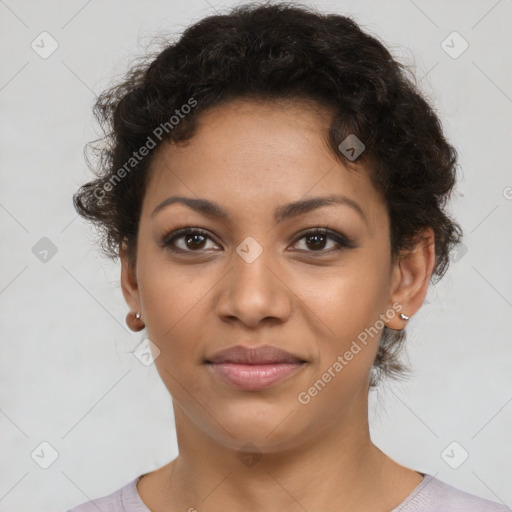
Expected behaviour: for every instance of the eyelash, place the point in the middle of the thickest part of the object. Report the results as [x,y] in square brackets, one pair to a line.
[342,241]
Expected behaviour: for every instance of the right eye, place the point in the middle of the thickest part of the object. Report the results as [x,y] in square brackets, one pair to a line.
[192,240]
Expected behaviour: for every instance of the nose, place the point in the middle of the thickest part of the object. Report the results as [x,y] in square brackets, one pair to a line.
[254,292]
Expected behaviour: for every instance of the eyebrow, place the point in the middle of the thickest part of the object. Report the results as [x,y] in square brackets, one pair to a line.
[282,213]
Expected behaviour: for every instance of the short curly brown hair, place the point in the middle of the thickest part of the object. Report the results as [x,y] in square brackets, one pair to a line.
[271,52]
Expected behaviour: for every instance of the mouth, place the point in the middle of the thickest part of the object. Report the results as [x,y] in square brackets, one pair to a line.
[262,355]
[253,369]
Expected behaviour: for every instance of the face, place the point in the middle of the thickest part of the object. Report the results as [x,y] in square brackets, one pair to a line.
[263,274]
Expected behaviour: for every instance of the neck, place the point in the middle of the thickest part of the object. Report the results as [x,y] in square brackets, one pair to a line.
[337,469]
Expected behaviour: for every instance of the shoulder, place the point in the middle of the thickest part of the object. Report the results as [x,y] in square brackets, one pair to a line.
[124,499]
[433,495]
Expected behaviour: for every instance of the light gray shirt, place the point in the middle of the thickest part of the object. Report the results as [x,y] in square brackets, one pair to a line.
[430,495]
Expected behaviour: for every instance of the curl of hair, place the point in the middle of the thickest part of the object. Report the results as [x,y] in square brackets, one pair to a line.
[272,52]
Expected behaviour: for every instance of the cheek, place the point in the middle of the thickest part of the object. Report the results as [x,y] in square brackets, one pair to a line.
[175,322]
[171,305]
[346,299]
[346,305]
[346,348]
[176,301]
[167,290]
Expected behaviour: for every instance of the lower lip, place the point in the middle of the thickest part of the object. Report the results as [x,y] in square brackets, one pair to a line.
[252,377]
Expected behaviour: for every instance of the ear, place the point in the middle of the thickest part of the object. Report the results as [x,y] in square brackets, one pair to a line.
[411,276]
[129,284]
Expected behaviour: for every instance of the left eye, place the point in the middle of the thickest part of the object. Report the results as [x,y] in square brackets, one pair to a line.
[316,240]
[195,240]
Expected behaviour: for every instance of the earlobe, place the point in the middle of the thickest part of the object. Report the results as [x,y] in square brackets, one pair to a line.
[411,277]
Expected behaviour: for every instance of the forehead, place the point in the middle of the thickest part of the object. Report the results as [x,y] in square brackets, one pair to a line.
[249,153]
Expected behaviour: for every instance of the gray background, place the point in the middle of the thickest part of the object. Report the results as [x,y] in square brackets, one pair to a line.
[68,374]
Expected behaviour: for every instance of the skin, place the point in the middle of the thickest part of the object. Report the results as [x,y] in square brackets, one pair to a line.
[307,299]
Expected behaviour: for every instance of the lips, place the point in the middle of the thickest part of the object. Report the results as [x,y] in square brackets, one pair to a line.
[252,369]
[265,354]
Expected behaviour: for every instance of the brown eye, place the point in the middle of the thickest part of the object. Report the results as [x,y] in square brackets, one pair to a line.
[318,239]
[186,240]
[194,241]
[315,242]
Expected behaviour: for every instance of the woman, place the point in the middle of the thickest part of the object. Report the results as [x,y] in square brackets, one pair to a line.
[274,186]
